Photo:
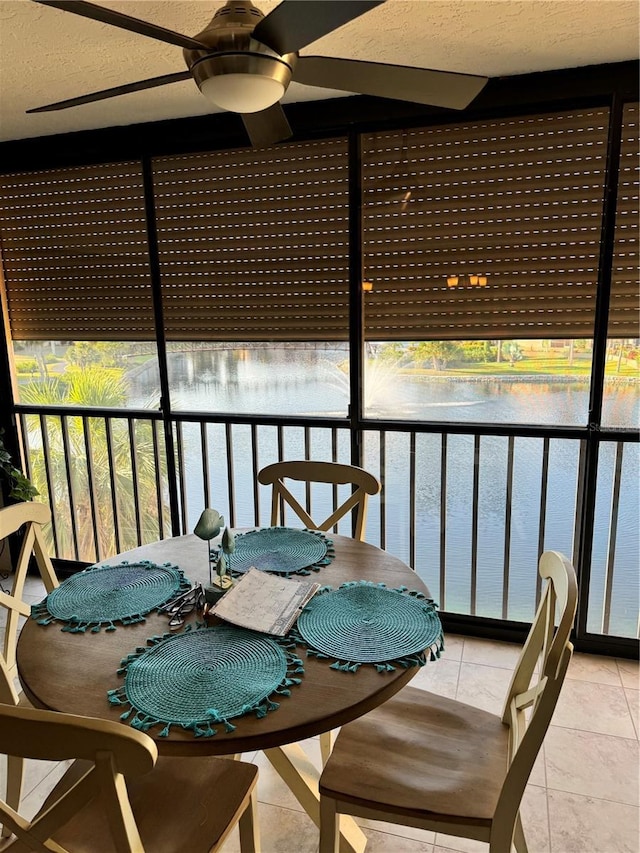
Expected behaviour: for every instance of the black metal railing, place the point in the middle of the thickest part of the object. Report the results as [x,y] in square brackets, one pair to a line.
[469,507]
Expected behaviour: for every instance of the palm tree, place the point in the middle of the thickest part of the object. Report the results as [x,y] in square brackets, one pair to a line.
[110,476]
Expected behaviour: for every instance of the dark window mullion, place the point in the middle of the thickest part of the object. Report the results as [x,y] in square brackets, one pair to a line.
[175,501]
[588,488]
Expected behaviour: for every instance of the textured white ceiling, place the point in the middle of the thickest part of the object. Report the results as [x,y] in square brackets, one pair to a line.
[48,55]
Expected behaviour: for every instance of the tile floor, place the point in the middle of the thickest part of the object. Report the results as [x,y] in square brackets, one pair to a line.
[583,795]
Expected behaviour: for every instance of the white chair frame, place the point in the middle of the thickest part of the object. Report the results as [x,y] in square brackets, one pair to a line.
[32,516]
[529,705]
[114,760]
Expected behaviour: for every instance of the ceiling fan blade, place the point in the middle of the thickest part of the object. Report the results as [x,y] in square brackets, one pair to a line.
[400,82]
[296,23]
[124,22]
[267,127]
[151,83]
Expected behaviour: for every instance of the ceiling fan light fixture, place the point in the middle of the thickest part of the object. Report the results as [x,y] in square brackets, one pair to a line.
[242,93]
[242,83]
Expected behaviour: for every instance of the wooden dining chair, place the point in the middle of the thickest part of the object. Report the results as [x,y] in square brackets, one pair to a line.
[426,761]
[363,483]
[31,517]
[119,797]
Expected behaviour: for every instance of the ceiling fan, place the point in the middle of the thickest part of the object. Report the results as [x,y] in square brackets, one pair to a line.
[244,61]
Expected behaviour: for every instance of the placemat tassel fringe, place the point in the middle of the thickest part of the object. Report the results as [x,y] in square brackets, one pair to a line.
[262,708]
[40,613]
[348,666]
[216,717]
[312,653]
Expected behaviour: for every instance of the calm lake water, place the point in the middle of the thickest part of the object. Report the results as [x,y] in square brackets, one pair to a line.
[314,383]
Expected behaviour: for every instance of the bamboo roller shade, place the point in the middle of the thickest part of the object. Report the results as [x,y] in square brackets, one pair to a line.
[254,245]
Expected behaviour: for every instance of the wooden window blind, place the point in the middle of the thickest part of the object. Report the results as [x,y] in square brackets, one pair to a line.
[624,315]
[75,255]
[254,245]
[518,200]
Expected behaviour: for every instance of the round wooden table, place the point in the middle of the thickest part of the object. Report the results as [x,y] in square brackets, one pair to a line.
[72,673]
[61,671]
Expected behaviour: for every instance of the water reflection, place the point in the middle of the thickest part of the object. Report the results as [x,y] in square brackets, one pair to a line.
[256,381]
[315,382]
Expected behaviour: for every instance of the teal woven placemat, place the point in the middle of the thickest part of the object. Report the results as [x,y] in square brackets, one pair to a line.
[366,623]
[282,550]
[204,676]
[103,595]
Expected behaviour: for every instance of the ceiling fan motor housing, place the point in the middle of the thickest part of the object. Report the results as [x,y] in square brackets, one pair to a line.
[233,50]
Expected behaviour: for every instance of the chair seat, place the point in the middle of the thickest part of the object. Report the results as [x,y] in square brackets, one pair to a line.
[423,756]
[200,795]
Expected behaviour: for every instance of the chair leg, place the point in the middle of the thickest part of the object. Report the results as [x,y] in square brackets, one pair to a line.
[329,826]
[248,826]
[519,841]
[326,745]
[14,785]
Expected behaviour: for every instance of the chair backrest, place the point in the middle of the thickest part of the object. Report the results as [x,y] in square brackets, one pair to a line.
[363,483]
[32,516]
[113,750]
[535,685]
